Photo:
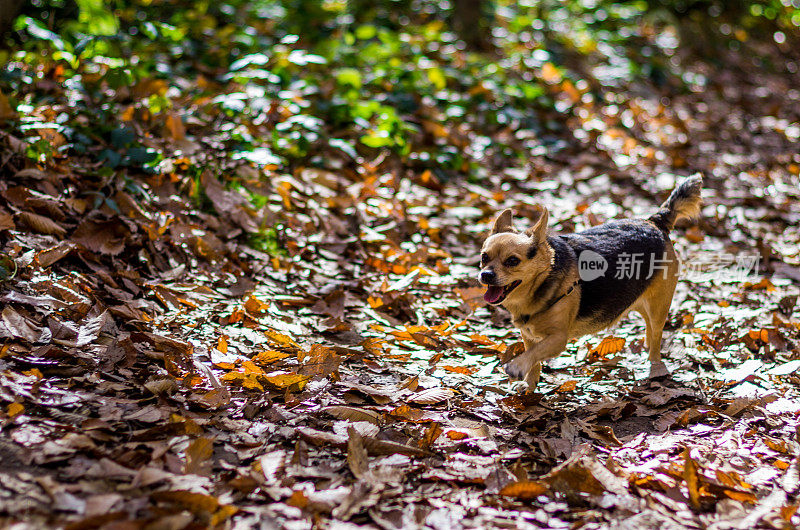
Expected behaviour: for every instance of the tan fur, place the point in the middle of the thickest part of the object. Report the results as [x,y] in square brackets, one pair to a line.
[547,330]
[688,209]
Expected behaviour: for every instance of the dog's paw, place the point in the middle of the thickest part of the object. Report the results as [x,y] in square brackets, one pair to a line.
[517,368]
[519,387]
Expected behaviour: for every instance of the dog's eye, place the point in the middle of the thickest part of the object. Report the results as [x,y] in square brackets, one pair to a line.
[484,257]
[513,261]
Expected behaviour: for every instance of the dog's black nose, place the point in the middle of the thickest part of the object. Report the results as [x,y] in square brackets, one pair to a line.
[488,277]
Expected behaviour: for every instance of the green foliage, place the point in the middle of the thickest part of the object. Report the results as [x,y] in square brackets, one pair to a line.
[285,83]
[268,240]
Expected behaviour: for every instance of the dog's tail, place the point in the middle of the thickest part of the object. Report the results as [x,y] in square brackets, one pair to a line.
[683,203]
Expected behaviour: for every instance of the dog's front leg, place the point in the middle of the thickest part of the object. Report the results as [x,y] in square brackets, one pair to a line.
[527,365]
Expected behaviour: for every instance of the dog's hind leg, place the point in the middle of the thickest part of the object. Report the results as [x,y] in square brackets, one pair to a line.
[655,310]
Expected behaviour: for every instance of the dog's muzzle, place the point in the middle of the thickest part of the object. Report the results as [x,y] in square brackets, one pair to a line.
[495,294]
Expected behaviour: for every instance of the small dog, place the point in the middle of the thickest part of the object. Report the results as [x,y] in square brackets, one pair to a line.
[558,288]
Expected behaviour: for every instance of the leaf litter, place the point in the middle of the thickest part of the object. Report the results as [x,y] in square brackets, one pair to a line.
[156,370]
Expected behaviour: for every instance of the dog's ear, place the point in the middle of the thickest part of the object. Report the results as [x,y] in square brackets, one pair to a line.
[538,230]
[503,222]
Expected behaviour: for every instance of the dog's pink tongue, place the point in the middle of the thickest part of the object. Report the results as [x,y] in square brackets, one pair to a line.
[493,294]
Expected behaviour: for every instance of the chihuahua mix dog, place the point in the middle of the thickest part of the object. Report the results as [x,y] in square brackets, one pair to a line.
[558,288]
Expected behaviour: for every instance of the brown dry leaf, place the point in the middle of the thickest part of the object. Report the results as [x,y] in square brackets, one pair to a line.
[601,433]
[385,447]
[14,325]
[197,455]
[741,496]
[431,396]
[404,412]
[762,285]
[197,503]
[104,237]
[788,511]
[320,361]
[6,221]
[582,472]
[255,307]
[456,435]
[473,296]
[433,432]
[298,499]
[357,459]
[216,398]
[41,224]
[353,414]
[250,381]
[425,340]
[524,490]
[47,257]
[230,205]
[6,112]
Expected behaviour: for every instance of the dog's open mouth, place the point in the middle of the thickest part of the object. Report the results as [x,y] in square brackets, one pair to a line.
[497,293]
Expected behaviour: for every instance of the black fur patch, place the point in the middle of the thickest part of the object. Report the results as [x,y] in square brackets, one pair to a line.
[563,260]
[563,255]
[606,297]
[532,250]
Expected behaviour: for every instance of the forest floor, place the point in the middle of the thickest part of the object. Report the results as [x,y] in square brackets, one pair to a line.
[156,373]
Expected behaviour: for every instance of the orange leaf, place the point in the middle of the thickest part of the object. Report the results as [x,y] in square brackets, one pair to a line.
[741,496]
[690,475]
[255,307]
[15,408]
[287,380]
[460,370]
[456,435]
[780,464]
[298,499]
[608,346]
[175,126]
[473,296]
[787,512]
[550,73]
[197,454]
[280,338]
[269,357]
[524,490]
[763,285]
[569,386]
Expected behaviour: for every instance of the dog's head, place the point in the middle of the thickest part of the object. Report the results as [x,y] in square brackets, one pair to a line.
[510,258]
